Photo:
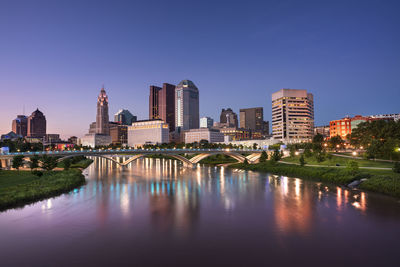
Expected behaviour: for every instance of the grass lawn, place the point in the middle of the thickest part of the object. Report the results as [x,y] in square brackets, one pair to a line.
[18,188]
[341,161]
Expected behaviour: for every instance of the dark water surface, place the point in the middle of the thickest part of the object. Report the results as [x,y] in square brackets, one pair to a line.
[157,213]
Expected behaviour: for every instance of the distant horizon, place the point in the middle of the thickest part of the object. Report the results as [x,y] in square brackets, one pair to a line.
[56,56]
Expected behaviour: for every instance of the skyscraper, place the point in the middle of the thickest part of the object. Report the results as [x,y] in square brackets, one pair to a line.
[20,125]
[102,125]
[187,105]
[252,118]
[162,104]
[292,115]
[36,124]
[124,117]
[229,118]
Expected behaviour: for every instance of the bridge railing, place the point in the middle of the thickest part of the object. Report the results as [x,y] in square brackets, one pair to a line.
[183,150]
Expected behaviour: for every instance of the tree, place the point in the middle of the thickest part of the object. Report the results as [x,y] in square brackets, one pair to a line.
[302,160]
[276,156]
[336,142]
[17,161]
[246,162]
[1,166]
[396,167]
[67,163]
[34,163]
[317,143]
[320,156]
[255,146]
[352,167]
[307,152]
[48,163]
[264,156]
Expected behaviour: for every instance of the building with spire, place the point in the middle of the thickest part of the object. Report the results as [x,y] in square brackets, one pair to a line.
[99,131]
[102,119]
[187,106]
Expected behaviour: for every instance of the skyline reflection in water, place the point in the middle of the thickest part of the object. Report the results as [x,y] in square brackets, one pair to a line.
[157,205]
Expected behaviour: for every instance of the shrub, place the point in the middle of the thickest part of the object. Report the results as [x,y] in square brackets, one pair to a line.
[352,167]
[302,161]
[37,173]
[263,157]
[67,163]
[396,167]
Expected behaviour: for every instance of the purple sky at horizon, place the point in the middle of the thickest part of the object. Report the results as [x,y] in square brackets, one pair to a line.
[55,56]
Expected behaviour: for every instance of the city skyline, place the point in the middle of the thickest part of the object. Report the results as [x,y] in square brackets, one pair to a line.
[344,62]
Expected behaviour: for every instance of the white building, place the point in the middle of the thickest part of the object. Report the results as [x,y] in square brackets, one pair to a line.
[292,115]
[93,140]
[264,144]
[148,132]
[196,135]
[206,122]
[395,117]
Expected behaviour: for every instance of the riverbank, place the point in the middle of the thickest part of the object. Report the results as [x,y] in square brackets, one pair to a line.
[380,181]
[19,188]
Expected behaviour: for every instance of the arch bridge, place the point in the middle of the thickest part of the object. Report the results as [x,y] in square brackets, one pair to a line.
[134,154]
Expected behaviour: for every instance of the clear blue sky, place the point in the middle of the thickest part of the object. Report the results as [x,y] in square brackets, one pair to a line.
[55,55]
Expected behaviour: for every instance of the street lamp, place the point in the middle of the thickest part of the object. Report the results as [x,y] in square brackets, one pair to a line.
[354,153]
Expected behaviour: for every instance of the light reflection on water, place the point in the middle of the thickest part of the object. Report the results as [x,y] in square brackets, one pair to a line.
[158,201]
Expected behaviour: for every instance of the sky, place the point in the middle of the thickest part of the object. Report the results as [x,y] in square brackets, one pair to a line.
[56,55]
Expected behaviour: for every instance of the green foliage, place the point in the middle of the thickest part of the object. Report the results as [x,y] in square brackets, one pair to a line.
[37,173]
[246,162]
[34,163]
[307,152]
[396,167]
[276,156]
[352,167]
[48,163]
[335,142]
[1,166]
[255,146]
[302,160]
[67,163]
[320,157]
[380,138]
[17,161]
[49,185]
[263,157]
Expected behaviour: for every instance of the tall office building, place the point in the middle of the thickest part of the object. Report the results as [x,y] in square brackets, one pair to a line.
[124,117]
[162,104]
[186,105]
[102,125]
[252,118]
[292,115]
[20,125]
[229,118]
[36,124]
[206,122]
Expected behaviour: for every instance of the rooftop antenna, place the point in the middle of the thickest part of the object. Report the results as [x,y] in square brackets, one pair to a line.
[23,110]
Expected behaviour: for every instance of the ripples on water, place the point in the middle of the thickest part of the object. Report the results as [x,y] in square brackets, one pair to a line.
[158,213]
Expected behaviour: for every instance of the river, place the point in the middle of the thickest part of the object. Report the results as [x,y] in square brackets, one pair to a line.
[158,213]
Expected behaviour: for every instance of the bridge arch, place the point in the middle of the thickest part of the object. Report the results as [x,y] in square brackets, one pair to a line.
[201,156]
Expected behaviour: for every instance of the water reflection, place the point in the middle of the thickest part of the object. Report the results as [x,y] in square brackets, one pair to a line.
[174,195]
[155,206]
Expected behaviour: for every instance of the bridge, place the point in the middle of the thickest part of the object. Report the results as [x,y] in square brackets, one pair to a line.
[134,154]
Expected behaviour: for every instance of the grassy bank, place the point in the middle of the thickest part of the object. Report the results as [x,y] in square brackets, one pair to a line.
[385,182]
[333,160]
[77,162]
[18,188]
